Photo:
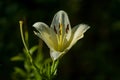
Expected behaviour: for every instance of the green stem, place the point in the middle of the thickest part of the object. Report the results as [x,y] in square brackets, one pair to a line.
[23,40]
[54,68]
[28,52]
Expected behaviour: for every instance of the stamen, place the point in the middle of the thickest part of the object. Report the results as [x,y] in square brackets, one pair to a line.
[67,28]
[55,29]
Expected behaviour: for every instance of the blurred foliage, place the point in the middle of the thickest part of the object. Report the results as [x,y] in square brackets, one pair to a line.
[95,57]
[36,68]
[28,72]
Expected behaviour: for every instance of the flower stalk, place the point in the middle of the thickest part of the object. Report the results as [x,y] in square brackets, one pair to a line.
[28,54]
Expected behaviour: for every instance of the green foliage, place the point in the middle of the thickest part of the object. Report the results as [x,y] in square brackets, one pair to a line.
[35,68]
[28,73]
[47,68]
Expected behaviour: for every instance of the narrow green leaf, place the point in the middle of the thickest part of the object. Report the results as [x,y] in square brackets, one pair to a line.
[17,58]
[33,49]
[20,71]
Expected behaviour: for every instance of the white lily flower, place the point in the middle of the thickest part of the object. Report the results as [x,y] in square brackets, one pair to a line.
[59,37]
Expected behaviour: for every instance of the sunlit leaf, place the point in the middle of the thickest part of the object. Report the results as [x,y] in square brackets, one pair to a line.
[20,71]
[33,49]
[17,58]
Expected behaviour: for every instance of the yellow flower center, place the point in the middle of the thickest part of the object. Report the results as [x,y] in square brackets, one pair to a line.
[61,36]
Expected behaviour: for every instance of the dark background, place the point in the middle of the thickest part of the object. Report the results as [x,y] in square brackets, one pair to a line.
[95,57]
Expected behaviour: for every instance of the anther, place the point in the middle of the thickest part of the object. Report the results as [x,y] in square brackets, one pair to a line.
[67,28]
[55,29]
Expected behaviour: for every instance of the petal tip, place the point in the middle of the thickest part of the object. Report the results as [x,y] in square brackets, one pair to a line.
[85,27]
[36,24]
[61,12]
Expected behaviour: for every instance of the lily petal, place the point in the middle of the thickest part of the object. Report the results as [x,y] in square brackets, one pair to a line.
[46,34]
[78,33]
[55,54]
[61,23]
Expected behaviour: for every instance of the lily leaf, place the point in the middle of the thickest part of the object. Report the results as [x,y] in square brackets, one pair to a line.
[17,58]
[33,49]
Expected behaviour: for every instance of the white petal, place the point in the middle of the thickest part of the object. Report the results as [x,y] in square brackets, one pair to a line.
[46,34]
[78,33]
[61,18]
[55,54]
